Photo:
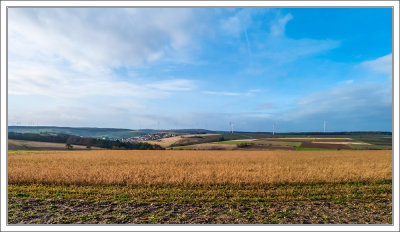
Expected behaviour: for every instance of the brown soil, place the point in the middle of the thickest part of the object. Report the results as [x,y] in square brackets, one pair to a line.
[209,146]
[257,147]
[324,145]
[35,211]
[195,135]
[355,143]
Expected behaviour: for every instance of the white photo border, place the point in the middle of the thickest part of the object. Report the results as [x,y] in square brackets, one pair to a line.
[208,4]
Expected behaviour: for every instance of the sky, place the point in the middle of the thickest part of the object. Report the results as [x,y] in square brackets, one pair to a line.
[165,68]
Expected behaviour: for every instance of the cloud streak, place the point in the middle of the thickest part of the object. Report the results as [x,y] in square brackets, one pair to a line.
[380,65]
[226,93]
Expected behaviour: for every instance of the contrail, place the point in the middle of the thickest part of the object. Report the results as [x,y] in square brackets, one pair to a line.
[248,47]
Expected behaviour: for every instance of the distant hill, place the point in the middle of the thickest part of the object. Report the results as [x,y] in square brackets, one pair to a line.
[127,133]
[94,132]
[78,131]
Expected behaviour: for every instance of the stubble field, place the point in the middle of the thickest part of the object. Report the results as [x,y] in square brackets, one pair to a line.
[198,167]
[200,187]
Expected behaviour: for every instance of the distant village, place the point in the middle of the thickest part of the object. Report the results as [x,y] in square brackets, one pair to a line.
[147,137]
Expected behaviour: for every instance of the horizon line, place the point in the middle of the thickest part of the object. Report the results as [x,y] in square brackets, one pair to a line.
[228,131]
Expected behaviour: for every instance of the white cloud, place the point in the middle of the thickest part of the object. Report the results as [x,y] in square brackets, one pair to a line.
[226,93]
[221,93]
[380,65]
[231,25]
[278,27]
[285,50]
[239,22]
[111,38]
[71,53]
[346,82]
[272,44]
[36,79]
[173,85]
[344,101]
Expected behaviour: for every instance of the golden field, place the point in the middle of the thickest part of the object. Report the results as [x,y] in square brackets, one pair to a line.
[198,167]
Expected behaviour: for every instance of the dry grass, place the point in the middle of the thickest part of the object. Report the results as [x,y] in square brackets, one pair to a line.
[198,167]
[165,142]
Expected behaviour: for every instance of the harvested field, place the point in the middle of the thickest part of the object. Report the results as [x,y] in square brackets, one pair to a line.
[165,142]
[207,146]
[196,139]
[107,212]
[196,135]
[198,167]
[200,187]
[187,138]
[324,145]
[234,142]
[345,143]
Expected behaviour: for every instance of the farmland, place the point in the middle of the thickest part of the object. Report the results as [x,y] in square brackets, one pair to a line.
[284,143]
[34,145]
[238,186]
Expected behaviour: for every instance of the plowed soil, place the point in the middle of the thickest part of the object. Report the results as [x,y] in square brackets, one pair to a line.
[35,211]
[324,145]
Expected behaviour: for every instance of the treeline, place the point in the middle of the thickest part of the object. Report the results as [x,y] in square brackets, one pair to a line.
[88,142]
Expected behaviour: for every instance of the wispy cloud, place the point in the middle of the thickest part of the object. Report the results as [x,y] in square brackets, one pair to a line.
[173,85]
[221,93]
[346,82]
[278,28]
[225,93]
[381,64]
[272,45]
[353,100]
[35,79]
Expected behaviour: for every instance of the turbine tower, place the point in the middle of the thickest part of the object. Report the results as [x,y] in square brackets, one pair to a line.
[231,123]
[324,126]
[273,129]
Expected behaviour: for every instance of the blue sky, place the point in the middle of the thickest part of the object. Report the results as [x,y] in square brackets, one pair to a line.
[201,68]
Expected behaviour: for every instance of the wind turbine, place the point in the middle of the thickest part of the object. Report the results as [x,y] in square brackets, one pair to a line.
[273,129]
[231,124]
[324,126]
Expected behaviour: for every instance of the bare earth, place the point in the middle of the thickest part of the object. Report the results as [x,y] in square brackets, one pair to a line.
[209,146]
[358,143]
[35,211]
